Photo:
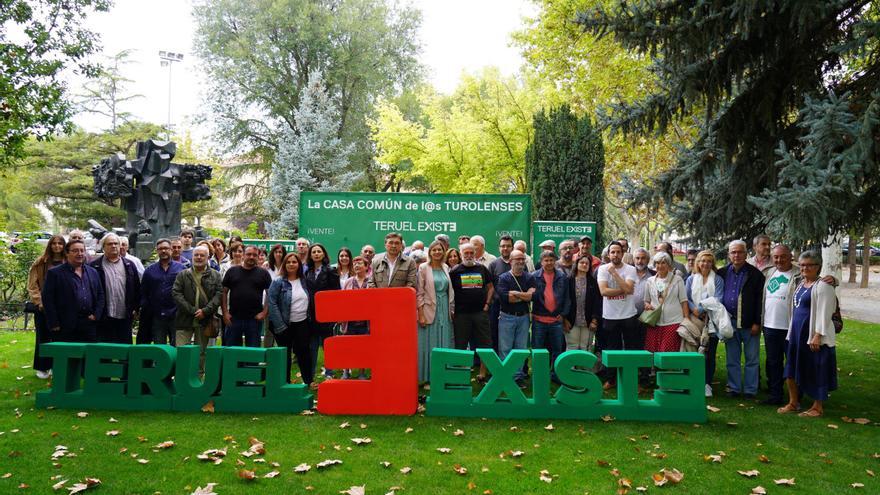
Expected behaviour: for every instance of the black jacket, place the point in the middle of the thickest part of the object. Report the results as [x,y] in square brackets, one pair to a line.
[592,303]
[750,302]
[327,279]
[132,284]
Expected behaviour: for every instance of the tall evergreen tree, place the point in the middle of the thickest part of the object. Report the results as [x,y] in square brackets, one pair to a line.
[759,76]
[311,157]
[565,164]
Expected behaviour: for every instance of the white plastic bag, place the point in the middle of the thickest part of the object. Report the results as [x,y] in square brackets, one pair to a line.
[719,321]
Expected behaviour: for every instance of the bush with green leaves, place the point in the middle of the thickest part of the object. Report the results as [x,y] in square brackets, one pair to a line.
[14,267]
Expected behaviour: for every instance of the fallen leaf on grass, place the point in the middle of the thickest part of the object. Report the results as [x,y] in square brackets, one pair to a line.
[458,468]
[362,441]
[363,426]
[113,420]
[549,427]
[602,463]
[514,428]
[23,486]
[870,473]
[83,486]
[785,482]
[327,463]
[444,450]
[406,470]
[545,476]
[763,458]
[712,457]
[82,414]
[674,476]
[385,464]
[408,430]
[607,418]
[750,474]
[712,408]
[143,461]
[271,474]
[57,486]
[759,490]
[458,433]
[345,425]
[208,407]
[355,490]
[308,412]
[247,474]
[112,433]
[207,490]
[516,453]
[167,444]
[833,426]
[857,485]
[302,468]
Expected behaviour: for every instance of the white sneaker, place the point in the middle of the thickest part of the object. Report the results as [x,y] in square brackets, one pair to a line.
[43,375]
[708,390]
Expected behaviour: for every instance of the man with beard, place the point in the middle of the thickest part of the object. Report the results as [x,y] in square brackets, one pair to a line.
[246,308]
[157,304]
[473,288]
[566,256]
[617,282]
[515,289]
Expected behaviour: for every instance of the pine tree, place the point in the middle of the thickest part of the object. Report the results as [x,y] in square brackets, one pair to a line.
[312,157]
[755,74]
[565,164]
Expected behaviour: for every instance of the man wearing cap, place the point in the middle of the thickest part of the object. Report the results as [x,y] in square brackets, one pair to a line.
[548,245]
[585,244]
[550,302]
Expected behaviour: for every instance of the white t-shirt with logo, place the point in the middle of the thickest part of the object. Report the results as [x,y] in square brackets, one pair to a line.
[776,300]
[618,307]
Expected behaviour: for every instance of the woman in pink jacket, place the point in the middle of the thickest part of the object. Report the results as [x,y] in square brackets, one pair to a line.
[435,301]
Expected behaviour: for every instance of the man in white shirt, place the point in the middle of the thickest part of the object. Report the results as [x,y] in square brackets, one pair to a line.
[779,287]
[483,257]
[617,282]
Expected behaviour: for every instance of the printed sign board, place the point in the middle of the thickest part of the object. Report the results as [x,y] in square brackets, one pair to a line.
[558,231]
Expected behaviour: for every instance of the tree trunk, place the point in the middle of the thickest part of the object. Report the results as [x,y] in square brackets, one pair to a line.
[832,263]
[851,257]
[866,258]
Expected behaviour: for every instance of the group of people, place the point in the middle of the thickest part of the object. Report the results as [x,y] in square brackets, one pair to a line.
[466,298]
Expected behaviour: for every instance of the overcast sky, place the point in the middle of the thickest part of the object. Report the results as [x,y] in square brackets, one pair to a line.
[456,36]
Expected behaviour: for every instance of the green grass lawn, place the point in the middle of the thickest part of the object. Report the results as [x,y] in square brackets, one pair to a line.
[581,457]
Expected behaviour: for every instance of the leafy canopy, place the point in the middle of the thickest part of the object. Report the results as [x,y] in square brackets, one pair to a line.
[38,39]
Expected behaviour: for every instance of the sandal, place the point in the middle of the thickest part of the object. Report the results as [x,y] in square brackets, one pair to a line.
[810,413]
[788,408]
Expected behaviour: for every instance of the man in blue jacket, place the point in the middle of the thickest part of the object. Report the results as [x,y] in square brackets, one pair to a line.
[549,303]
[73,298]
[122,291]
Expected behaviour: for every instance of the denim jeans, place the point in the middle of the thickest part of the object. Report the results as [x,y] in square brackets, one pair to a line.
[248,328]
[743,342]
[774,362]
[114,330]
[163,330]
[549,335]
[513,333]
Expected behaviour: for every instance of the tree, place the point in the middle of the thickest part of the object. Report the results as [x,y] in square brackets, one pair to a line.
[257,56]
[759,74]
[586,72]
[310,158]
[473,141]
[59,172]
[564,169]
[105,95]
[38,39]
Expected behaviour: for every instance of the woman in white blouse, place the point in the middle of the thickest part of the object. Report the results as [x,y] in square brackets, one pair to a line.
[665,291]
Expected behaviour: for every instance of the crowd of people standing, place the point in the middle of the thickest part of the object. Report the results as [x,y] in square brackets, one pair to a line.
[467,298]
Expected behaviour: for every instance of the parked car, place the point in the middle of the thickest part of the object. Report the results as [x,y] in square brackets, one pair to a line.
[875,251]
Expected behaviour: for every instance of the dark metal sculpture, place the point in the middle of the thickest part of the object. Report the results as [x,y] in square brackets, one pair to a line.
[153,189]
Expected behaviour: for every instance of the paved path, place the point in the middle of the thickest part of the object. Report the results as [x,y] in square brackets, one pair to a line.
[861,304]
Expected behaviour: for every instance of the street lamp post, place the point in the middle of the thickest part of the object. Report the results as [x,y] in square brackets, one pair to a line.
[167,59]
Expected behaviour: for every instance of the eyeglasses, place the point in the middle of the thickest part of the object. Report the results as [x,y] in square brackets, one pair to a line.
[809,264]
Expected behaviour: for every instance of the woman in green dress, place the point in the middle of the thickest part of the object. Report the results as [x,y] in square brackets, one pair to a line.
[435,302]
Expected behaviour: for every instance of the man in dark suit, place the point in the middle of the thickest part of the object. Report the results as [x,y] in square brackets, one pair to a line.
[73,297]
[122,291]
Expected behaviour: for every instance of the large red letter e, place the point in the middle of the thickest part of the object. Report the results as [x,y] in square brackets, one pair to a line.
[390,352]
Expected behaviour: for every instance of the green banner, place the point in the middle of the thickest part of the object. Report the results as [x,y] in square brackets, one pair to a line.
[558,231]
[351,219]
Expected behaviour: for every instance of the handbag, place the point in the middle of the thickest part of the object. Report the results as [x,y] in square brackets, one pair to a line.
[212,328]
[836,317]
[652,316]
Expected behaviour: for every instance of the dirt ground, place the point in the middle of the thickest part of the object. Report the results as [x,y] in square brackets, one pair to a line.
[861,304]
